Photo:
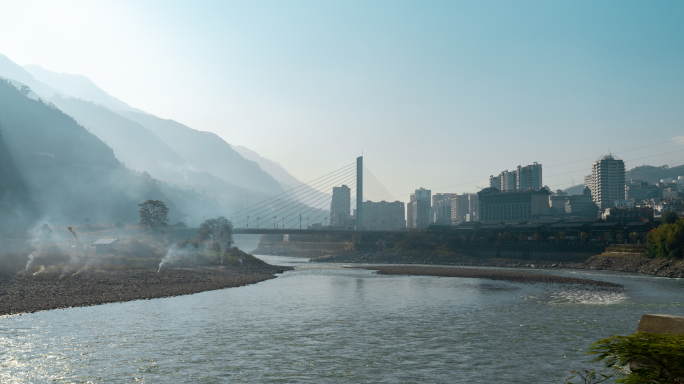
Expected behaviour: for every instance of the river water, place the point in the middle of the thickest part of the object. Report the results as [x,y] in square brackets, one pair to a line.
[324,323]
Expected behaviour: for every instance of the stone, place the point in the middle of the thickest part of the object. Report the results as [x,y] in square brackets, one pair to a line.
[661,324]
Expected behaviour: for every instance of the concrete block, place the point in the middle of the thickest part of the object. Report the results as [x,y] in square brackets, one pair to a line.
[661,324]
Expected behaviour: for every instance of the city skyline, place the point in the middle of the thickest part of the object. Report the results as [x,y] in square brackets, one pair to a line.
[403,73]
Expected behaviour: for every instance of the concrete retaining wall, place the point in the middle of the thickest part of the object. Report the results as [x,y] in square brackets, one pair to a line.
[661,324]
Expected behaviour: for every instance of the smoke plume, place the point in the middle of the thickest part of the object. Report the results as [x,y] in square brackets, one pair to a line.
[31,257]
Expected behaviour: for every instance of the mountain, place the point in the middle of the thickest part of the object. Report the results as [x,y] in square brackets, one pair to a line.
[133,144]
[654,174]
[11,70]
[273,168]
[61,169]
[286,180]
[142,150]
[77,86]
[576,190]
[207,152]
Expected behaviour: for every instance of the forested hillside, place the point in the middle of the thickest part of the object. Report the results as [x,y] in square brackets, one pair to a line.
[654,174]
[56,168]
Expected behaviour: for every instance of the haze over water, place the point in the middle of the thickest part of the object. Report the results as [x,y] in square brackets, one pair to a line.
[325,323]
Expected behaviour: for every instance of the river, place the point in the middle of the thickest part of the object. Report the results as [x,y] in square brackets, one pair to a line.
[325,323]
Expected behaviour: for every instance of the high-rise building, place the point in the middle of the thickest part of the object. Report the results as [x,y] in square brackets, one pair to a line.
[463,206]
[473,207]
[383,215]
[530,177]
[509,181]
[589,181]
[495,182]
[418,210]
[340,206]
[608,174]
[441,208]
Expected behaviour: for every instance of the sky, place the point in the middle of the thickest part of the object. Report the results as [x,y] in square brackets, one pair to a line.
[437,94]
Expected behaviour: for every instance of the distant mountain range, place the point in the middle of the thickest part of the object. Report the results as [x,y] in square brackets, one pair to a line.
[77,86]
[204,173]
[57,168]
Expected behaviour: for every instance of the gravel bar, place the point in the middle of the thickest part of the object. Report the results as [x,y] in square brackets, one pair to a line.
[491,274]
[82,288]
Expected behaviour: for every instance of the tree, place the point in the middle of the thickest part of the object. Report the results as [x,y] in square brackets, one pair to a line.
[153,215]
[670,217]
[653,357]
[507,237]
[634,236]
[219,230]
[620,238]
[536,237]
[583,237]
[666,241]
[607,236]
[561,236]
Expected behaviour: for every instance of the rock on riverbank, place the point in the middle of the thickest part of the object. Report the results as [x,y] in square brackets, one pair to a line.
[52,289]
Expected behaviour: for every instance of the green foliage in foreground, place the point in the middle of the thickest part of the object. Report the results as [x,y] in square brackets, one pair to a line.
[667,241]
[652,358]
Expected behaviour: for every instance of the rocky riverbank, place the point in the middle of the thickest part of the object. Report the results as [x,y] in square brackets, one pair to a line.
[635,263]
[492,274]
[58,288]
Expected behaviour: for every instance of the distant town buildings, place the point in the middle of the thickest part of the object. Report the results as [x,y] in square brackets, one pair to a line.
[509,181]
[495,182]
[608,181]
[441,208]
[418,210]
[523,178]
[519,205]
[340,206]
[589,182]
[564,205]
[529,177]
[384,215]
[464,207]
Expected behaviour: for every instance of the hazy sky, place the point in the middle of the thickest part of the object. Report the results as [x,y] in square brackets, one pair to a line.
[434,93]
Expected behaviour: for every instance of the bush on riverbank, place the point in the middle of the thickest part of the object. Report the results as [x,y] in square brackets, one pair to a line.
[652,357]
[667,241]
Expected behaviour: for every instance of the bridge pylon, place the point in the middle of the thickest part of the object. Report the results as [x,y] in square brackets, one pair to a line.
[359,193]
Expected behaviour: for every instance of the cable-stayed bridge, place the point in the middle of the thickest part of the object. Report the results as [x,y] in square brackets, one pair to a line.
[323,206]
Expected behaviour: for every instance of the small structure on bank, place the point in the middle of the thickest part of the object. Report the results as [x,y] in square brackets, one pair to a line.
[105,243]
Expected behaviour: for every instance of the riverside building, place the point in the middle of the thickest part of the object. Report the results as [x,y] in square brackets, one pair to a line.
[518,205]
[383,215]
[463,207]
[441,208]
[418,210]
[608,181]
[340,206]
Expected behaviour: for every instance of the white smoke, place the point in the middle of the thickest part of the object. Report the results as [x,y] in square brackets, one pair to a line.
[174,253]
[31,257]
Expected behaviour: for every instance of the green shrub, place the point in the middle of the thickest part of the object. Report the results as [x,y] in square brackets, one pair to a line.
[667,241]
[654,358]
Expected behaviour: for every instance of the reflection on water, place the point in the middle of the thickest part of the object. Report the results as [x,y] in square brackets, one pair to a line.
[325,323]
